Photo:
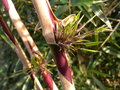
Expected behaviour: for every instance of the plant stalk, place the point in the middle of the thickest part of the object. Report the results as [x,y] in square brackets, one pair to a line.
[28,41]
[48,22]
[64,69]
[22,56]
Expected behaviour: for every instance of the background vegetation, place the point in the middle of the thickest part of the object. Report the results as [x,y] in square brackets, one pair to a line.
[96,67]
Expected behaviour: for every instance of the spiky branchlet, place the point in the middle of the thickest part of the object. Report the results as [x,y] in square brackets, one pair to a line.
[67,30]
[59,34]
[27,39]
[38,63]
[36,60]
[22,56]
[67,36]
[68,33]
[63,34]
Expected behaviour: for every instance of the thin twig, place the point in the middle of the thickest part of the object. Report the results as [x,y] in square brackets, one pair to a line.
[113,19]
[113,8]
[110,34]
[86,23]
[21,54]
[69,6]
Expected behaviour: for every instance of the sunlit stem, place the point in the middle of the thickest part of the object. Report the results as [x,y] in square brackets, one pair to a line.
[22,30]
[65,71]
[48,22]
[46,18]
[22,56]
[27,39]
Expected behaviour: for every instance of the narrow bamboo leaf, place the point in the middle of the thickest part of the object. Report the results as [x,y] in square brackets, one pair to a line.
[112,51]
[85,6]
[81,40]
[100,73]
[82,2]
[88,13]
[117,34]
[25,86]
[36,60]
[115,43]
[89,50]
[92,44]
[16,74]
[61,10]
[63,1]
[98,12]
[102,28]
[18,84]
[99,83]
[4,37]
[6,29]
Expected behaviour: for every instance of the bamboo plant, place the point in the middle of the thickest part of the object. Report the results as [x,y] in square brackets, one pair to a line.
[61,35]
[22,56]
[45,13]
[29,43]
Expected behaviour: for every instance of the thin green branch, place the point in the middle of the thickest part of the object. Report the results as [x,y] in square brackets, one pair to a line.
[110,34]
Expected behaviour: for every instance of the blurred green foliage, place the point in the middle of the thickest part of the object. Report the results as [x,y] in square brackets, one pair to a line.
[92,70]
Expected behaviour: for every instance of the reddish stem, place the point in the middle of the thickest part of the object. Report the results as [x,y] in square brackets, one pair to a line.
[5,2]
[47,78]
[6,29]
[62,63]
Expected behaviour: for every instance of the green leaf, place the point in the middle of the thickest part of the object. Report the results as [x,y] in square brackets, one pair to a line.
[92,44]
[84,49]
[63,1]
[102,28]
[99,83]
[98,12]
[19,83]
[82,2]
[6,39]
[115,43]
[61,10]
[26,86]
[112,51]
[100,73]
[88,13]
[86,2]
